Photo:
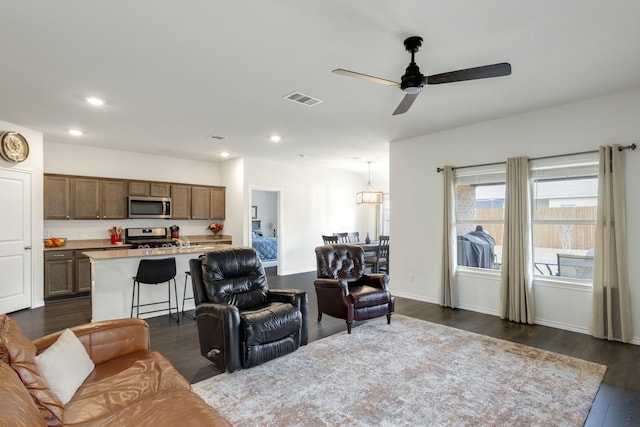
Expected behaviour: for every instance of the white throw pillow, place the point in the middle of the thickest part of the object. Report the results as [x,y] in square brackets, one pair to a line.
[65,365]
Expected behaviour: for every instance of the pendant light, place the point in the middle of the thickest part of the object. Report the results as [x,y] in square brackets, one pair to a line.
[369,196]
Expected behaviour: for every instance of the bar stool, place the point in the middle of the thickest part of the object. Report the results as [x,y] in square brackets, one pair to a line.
[154,272]
[187,275]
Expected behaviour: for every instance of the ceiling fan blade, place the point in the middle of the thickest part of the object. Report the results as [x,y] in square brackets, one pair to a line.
[405,104]
[366,77]
[484,72]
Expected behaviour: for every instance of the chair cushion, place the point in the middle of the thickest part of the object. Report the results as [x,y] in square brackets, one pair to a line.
[340,262]
[235,276]
[119,384]
[270,323]
[367,296]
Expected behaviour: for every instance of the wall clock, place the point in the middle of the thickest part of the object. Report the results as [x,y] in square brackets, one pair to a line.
[14,147]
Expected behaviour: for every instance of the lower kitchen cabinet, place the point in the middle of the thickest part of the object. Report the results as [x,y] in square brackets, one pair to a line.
[66,273]
[82,272]
[58,273]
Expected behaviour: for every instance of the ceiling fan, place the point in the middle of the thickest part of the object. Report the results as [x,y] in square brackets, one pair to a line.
[412,81]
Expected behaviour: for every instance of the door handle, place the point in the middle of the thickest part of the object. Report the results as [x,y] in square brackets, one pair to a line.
[27,248]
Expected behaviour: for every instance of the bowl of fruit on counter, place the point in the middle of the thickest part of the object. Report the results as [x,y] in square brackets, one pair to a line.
[54,242]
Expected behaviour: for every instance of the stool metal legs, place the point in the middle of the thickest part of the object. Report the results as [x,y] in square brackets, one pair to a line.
[135,300]
[187,274]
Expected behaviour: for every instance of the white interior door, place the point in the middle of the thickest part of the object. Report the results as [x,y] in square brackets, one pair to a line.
[15,240]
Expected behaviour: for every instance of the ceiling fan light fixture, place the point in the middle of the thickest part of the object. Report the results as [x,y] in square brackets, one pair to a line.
[412,90]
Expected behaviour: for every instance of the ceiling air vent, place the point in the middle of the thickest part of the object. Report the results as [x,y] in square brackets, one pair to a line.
[303,99]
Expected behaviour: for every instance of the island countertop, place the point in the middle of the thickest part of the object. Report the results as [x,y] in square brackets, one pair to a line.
[88,244]
[151,252]
[112,273]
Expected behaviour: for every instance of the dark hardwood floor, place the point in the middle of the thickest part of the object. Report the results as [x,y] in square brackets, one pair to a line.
[617,402]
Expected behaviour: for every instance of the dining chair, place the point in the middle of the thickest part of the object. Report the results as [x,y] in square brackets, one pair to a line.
[342,237]
[353,237]
[380,262]
[329,240]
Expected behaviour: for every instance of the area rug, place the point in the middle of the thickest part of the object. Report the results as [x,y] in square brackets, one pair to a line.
[409,373]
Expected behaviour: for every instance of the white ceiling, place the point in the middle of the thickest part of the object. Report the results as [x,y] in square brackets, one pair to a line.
[174,73]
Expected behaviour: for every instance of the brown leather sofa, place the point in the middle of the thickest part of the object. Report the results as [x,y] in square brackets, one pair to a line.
[131,385]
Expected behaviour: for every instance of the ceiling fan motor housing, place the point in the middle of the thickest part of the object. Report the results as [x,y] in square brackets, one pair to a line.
[413,80]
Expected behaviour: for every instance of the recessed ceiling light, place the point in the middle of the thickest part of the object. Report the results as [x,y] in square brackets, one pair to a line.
[75,132]
[224,154]
[94,101]
[275,138]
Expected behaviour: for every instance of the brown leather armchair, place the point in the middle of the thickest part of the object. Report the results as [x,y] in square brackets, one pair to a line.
[345,291]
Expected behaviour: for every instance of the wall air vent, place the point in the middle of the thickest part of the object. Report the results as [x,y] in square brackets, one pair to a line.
[303,99]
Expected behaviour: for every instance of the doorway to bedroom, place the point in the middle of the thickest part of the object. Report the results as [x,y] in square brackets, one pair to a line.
[264,225]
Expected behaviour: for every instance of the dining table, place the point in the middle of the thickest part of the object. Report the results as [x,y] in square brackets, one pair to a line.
[372,246]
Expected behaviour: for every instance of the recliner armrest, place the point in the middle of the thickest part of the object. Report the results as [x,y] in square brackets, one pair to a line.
[376,280]
[221,311]
[298,298]
[333,283]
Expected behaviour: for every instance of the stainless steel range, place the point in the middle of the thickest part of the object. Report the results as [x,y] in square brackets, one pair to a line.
[152,237]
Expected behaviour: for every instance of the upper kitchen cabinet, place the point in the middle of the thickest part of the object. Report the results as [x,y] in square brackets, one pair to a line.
[57,197]
[181,201]
[85,196]
[218,206]
[94,198]
[113,204]
[149,188]
[200,202]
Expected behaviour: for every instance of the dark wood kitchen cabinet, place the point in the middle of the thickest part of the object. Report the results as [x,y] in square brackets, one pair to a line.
[181,201]
[57,197]
[58,273]
[85,198]
[149,189]
[200,202]
[218,206]
[113,202]
[207,202]
[82,272]
[80,197]
[67,272]
[94,198]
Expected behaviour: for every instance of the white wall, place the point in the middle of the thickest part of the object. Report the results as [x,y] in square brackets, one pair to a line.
[417,221]
[33,165]
[314,201]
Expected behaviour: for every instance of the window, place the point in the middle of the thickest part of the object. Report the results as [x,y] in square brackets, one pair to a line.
[385,217]
[565,202]
[479,201]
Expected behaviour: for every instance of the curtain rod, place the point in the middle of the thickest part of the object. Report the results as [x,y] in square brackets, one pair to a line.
[620,148]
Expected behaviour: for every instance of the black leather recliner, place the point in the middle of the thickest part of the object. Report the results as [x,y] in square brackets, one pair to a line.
[241,322]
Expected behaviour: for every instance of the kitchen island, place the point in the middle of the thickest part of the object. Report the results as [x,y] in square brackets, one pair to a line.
[112,273]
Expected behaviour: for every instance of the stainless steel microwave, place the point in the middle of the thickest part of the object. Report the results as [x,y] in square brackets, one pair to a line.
[149,207]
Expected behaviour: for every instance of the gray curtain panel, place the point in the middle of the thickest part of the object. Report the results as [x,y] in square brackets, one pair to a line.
[448,291]
[516,285]
[611,309]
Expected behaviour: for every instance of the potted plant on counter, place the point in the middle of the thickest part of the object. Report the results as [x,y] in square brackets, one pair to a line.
[216,228]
